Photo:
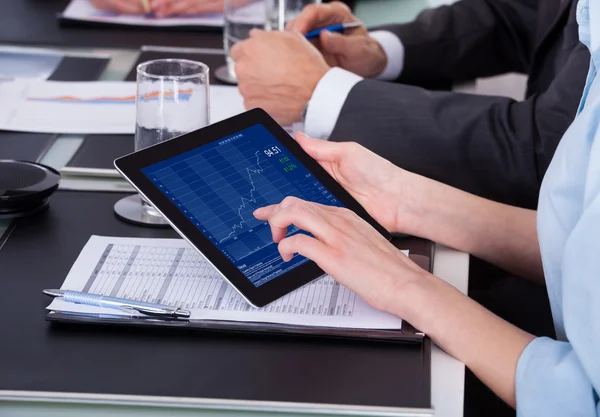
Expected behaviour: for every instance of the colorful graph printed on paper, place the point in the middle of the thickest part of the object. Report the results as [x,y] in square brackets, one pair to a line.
[183,95]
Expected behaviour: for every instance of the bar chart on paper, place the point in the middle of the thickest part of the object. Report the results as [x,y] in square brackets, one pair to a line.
[99,107]
[218,187]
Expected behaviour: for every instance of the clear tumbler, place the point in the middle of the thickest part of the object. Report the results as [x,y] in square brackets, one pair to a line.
[241,16]
[172,99]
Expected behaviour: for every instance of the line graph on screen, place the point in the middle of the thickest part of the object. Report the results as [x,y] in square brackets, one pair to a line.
[218,186]
[246,200]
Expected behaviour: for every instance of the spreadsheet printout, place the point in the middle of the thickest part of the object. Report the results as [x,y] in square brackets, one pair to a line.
[171,272]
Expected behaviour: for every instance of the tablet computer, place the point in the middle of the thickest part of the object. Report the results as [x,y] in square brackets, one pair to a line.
[207,183]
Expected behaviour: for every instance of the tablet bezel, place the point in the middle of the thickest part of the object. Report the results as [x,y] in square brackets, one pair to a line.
[130,166]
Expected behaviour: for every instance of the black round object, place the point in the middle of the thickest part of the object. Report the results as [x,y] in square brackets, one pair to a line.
[25,187]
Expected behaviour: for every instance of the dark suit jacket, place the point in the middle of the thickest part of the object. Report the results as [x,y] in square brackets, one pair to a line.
[491,146]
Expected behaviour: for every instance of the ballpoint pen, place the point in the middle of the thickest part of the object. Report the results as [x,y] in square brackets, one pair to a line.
[340,28]
[149,309]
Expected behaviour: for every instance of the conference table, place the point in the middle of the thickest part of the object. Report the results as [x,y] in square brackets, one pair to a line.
[452,266]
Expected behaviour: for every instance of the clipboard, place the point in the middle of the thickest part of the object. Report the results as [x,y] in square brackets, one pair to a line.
[406,334]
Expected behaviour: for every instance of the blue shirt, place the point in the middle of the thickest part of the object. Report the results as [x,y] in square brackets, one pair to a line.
[562,377]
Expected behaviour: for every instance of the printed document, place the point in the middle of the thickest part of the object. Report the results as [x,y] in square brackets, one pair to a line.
[88,107]
[171,272]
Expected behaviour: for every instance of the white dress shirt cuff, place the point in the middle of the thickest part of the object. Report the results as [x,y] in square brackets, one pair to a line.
[327,101]
[394,51]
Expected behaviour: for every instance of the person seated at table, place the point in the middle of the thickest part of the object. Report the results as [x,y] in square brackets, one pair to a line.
[492,146]
[166,8]
[557,245]
[161,8]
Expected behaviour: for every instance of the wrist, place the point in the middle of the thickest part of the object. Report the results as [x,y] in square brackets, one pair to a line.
[310,85]
[413,199]
[390,53]
[421,301]
[430,209]
[381,61]
[315,78]
[369,59]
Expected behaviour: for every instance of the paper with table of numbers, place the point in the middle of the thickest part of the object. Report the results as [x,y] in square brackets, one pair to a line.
[171,272]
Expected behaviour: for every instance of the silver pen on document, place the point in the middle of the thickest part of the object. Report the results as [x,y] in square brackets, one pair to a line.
[149,309]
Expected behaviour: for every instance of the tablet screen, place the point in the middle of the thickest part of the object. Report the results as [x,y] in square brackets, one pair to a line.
[218,186]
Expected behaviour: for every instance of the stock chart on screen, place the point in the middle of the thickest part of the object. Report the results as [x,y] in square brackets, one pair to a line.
[218,186]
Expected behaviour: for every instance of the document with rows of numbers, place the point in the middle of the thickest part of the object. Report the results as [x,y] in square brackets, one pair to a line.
[171,272]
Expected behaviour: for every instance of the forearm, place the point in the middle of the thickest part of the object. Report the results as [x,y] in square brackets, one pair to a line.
[503,235]
[481,144]
[488,345]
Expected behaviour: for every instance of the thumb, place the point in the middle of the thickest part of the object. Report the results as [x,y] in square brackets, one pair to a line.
[335,43]
[318,149]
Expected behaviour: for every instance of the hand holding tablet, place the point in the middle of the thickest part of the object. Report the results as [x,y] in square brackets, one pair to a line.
[209,182]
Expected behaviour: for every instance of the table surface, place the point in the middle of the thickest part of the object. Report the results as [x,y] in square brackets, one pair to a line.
[447,377]
[450,265]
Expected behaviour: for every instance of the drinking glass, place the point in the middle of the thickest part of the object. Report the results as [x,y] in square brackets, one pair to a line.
[241,16]
[280,12]
[172,99]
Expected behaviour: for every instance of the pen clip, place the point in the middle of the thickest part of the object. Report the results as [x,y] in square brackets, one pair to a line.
[171,313]
[130,310]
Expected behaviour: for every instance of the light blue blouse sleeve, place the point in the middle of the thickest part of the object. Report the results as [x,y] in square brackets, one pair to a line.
[556,378]
[552,382]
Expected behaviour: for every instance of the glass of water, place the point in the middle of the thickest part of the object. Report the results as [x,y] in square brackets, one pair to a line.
[280,12]
[172,99]
[241,16]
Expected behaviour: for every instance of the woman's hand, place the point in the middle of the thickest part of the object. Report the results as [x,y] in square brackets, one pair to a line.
[164,8]
[358,257]
[387,192]
[347,248]
[120,6]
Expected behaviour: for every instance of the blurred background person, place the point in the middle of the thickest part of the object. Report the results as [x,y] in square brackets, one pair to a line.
[162,8]
[492,146]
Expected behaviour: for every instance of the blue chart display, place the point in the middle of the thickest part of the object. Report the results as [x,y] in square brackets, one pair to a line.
[218,186]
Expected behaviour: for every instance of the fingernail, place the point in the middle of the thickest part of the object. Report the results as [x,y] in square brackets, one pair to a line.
[257,212]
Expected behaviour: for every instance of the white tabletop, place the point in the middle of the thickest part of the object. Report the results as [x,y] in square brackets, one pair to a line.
[448,374]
